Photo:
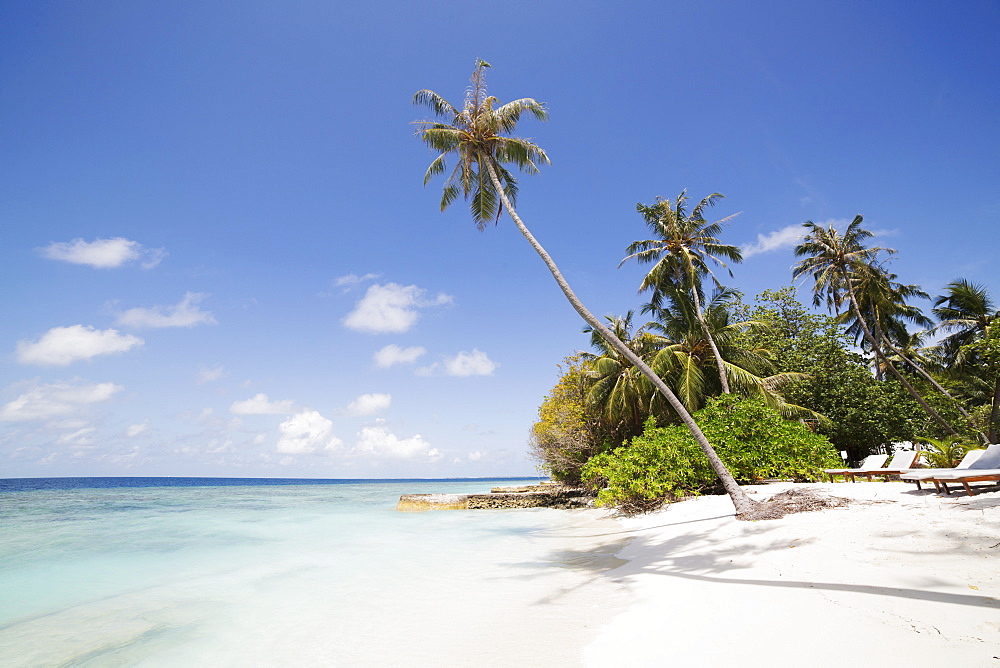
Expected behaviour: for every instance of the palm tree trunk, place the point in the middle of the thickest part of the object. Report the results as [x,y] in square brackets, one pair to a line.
[995,412]
[711,340]
[923,372]
[885,361]
[743,504]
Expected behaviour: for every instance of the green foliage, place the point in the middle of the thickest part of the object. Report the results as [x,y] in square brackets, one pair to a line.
[569,429]
[862,413]
[665,463]
[944,453]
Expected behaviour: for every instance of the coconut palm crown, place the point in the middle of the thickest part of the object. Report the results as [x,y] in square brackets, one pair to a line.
[476,135]
[680,253]
[835,261]
[683,244]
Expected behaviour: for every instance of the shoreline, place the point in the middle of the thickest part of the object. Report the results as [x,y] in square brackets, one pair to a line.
[896,575]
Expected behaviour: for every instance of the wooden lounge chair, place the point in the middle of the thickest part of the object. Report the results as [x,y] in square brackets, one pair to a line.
[921,475]
[871,462]
[902,462]
[984,469]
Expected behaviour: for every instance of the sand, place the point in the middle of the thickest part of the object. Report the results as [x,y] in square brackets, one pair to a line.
[898,577]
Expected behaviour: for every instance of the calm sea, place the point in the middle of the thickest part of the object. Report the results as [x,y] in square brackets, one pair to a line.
[261,572]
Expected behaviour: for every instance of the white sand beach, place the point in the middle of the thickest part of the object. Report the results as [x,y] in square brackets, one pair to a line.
[899,577]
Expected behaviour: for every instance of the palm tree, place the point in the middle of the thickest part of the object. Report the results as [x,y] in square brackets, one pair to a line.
[684,355]
[679,254]
[968,312]
[883,302]
[617,388]
[838,265]
[479,137]
[913,353]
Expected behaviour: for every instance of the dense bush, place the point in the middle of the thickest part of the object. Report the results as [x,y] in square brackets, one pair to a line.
[568,431]
[665,463]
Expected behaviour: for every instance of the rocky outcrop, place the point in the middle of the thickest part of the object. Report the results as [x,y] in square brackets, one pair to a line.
[418,502]
[531,496]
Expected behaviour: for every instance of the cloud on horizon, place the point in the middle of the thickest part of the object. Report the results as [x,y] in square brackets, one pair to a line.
[43,402]
[184,314]
[61,346]
[307,433]
[378,441]
[103,253]
[391,308]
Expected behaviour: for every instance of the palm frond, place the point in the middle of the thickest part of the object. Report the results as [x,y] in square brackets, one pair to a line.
[431,99]
[477,137]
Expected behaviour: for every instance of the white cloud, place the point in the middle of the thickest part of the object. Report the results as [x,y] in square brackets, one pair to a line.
[474,363]
[61,346]
[78,438]
[135,429]
[378,441]
[351,280]
[369,404]
[208,375]
[48,401]
[786,237]
[885,233]
[393,354]
[259,404]
[390,308]
[103,253]
[307,433]
[184,314]
[790,235]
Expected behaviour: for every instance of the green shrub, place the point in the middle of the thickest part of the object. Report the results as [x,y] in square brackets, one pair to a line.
[945,453]
[665,463]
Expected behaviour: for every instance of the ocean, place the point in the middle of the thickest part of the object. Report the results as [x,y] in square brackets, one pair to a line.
[271,572]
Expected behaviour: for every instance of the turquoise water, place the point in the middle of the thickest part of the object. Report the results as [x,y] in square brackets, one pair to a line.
[304,574]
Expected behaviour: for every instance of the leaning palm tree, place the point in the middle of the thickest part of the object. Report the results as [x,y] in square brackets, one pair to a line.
[883,302]
[838,265]
[624,397]
[967,313]
[680,251]
[479,137]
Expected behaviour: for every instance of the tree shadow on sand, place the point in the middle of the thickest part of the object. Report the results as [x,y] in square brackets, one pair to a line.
[703,555]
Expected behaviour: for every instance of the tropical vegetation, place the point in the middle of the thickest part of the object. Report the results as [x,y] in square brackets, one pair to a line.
[711,392]
[663,463]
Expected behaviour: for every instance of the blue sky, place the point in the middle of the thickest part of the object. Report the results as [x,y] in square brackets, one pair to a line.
[218,258]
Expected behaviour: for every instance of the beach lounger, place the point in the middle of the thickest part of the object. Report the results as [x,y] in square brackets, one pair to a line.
[871,462]
[920,475]
[902,462]
[984,469]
